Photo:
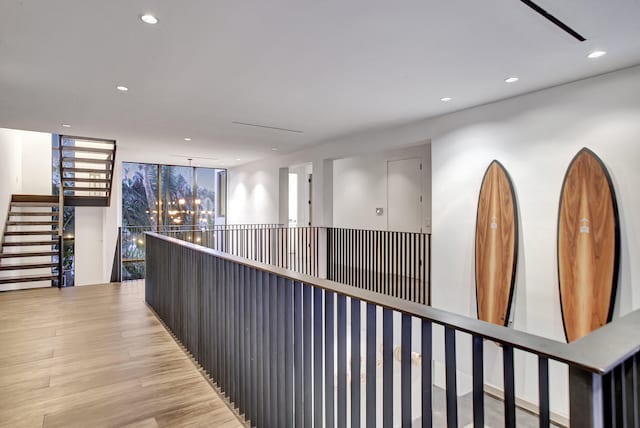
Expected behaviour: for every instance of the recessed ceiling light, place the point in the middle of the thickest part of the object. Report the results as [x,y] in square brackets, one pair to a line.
[511,79]
[237,159]
[274,149]
[122,88]
[149,19]
[187,139]
[446,99]
[66,125]
[596,54]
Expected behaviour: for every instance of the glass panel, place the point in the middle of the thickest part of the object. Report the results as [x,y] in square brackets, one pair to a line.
[177,196]
[139,194]
[139,214]
[207,213]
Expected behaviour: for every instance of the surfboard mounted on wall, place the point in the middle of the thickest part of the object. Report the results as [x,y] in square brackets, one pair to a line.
[496,245]
[588,246]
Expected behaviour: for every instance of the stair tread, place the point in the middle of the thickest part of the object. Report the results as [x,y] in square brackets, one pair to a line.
[87,189]
[34,198]
[83,149]
[28,278]
[31,233]
[29,254]
[31,223]
[35,204]
[28,266]
[86,160]
[87,170]
[28,244]
[33,213]
[86,201]
[85,180]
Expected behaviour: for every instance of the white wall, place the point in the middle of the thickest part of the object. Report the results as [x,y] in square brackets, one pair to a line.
[25,168]
[36,163]
[360,186]
[535,136]
[10,168]
[89,256]
[254,192]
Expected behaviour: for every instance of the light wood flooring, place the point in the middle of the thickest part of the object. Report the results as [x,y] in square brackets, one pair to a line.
[96,356]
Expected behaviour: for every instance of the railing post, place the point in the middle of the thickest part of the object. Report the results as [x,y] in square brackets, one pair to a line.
[585,399]
[60,256]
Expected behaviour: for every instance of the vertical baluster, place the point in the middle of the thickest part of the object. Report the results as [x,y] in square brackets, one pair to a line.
[371,365]
[329,371]
[636,390]
[543,390]
[235,334]
[387,367]
[355,362]
[298,392]
[450,368]
[307,374]
[225,328]
[242,335]
[589,399]
[406,370]
[342,361]
[273,338]
[318,380]
[267,405]
[509,387]
[427,388]
[478,382]
[415,261]
[288,353]
[255,380]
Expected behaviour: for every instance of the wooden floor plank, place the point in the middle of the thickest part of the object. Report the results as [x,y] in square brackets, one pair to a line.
[97,356]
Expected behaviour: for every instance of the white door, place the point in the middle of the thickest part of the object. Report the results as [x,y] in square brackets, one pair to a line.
[404,195]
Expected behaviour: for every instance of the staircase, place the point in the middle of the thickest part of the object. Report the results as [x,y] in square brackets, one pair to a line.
[30,242]
[87,171]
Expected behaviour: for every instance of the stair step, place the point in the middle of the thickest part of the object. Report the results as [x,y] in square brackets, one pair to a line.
[32,223]
[29,266]
[31,233]
[32,254]
[35,204]
[33,213]
[86,201]
[28,278]
[86,180]
[86,160]
[34,198]
[87,189]
[28,244]
[83,149]
[86,170]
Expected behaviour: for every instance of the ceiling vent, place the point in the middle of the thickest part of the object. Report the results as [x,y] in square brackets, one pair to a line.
[564,27]
[267,127]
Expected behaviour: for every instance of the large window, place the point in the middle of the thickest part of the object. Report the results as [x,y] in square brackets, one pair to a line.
[180,197]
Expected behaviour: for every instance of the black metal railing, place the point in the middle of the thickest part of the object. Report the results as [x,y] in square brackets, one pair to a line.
[393,263]
[290,349]
[130,253]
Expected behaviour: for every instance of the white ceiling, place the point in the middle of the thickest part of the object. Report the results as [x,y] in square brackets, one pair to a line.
[327,68]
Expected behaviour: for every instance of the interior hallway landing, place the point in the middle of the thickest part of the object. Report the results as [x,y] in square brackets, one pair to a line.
[97,356]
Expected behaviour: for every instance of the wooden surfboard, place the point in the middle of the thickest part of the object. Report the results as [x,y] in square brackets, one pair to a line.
[496,245]
[588,246]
